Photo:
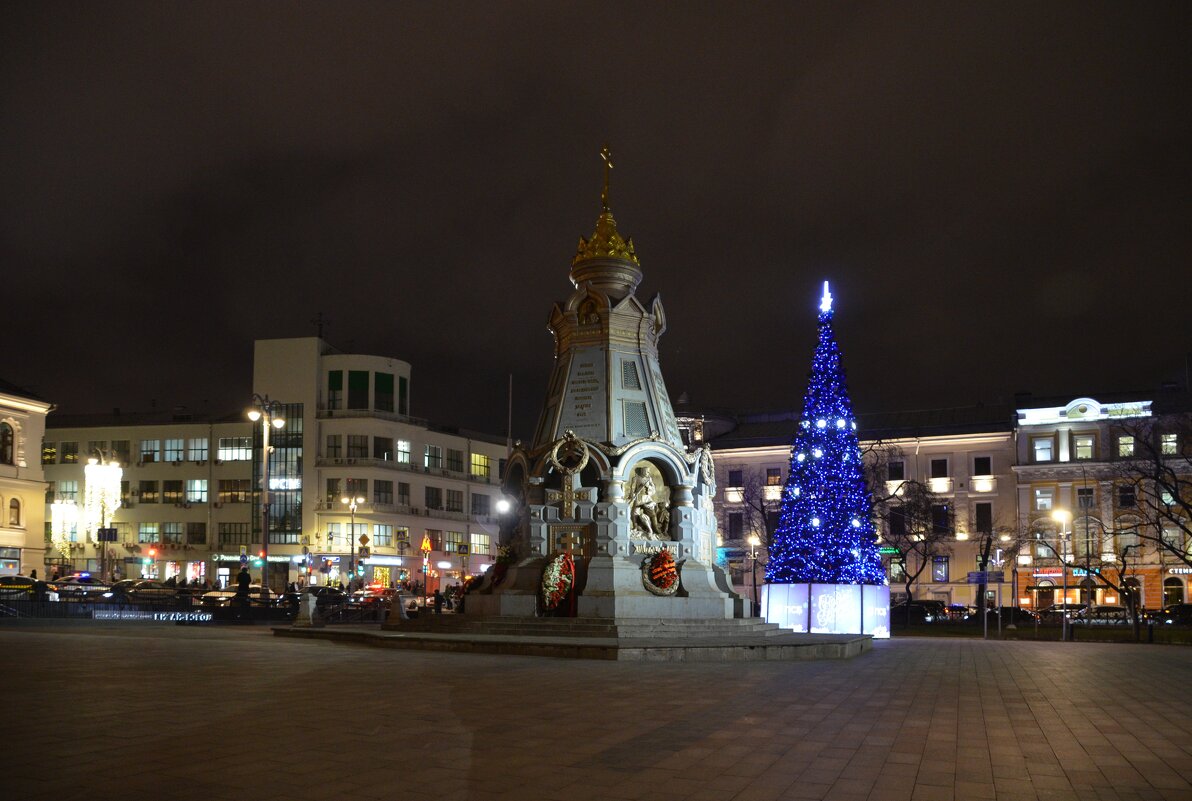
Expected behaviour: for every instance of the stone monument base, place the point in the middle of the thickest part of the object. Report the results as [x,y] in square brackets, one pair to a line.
[829,608]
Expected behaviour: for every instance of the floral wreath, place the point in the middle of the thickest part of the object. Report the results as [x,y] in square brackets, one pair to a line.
[660,575]
[557,580]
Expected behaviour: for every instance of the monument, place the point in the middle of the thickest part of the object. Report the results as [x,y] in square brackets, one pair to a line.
[611,514]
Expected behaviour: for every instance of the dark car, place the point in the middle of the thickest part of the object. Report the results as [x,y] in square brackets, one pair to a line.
[138,591]
[17,588]
[325,597]
[1103,616]
[1010,615]
[223,598]
[1173,615]
[918,612]
[1055,613]
[372,597]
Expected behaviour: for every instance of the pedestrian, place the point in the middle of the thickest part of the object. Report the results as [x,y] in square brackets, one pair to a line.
[33,573]
[55,577]
[243,581]
[438,602]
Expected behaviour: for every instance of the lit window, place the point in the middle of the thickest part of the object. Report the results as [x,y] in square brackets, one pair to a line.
[939,568]
[481,466]
[70,452]
[1084,446]
[1169,444]
[147,532]
[196,449]
[1085,497]
[67,490]
[383,535]
[235,449]
[1041,447]
[49,453]
[174,450]
[196,490]
[1125,446]
[481,543]
[149,449]
[1044,499]
[433,457]
[774,476]
[403,451]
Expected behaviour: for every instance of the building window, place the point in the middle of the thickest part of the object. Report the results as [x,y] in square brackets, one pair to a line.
[481,544]
[196,490]
[382,448]
[939,468]
[1169,444]
[147,492]
[481,505]
[455,542]
[436,539]
[14,513]
[939,568]
[941,519]
[1085,446]
[736,525]
[383,392]
[402,452]
[1044,499]
[455,460]
[122,451]
[735,478]
[196,449]
[383,535]
[171,533]
[174,450]
[1042,449]
[434,498]
[97,448]
[982,466]
[403,494]
[1085,497]
[403,537]
[235,534]
[1173,591]
[234,490]
[432,457]
[357,389]
[1125,494]
[7,444]
[196,533]
[335,446]
[171,492]
[333,493]
[1173,539]
[403,395]
[49,452]
[334,534]
[773,476]
[147,533]
[335,389]
[383,492]
[455,500]
[896,470]
[356,487]
[896,524]
[1125,446]
[983,518]
[235,449]
[896,570]
[481,466]
[357,446]
[70,451]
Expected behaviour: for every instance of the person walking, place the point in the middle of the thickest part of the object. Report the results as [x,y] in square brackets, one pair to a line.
[438,602]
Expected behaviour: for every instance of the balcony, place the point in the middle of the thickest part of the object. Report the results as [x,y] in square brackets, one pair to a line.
[940,486]
[983,484]
[356,414]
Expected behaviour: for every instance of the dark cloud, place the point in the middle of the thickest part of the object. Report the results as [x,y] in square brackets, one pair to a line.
[998,191]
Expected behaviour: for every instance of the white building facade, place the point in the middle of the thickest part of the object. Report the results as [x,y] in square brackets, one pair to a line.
[22,483]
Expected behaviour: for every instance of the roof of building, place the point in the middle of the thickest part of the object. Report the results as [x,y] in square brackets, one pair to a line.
[12,389]
[116,417]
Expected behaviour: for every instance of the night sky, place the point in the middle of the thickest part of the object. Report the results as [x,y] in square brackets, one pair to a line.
[1001,194]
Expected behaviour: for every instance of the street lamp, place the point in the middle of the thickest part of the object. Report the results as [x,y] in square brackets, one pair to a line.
[1063,516]
[351,503]
[754,541]
[269,412]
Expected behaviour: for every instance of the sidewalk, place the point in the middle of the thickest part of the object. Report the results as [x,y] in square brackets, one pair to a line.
[234,713]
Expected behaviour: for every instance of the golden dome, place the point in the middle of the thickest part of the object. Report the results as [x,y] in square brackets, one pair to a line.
[605,243]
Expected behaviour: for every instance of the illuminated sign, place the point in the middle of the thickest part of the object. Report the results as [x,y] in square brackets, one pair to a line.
[1180,571]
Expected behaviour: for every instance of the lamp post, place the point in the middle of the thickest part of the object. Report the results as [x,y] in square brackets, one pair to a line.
[1062,516]
[269,413]
[351,503]
[754,542]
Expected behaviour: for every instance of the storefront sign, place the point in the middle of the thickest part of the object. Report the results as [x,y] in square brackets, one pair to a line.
[1180,571]
[383,560]
[153,617]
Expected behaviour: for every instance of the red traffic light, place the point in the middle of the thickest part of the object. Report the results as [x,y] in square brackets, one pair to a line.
[153,552]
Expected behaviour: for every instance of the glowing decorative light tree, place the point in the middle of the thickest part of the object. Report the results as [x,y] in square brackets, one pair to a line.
[825,533]
[101,498]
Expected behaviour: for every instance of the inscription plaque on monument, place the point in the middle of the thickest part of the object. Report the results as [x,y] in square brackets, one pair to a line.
[585,405]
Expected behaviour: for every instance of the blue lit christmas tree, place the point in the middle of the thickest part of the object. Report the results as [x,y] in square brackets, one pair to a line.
[825,529]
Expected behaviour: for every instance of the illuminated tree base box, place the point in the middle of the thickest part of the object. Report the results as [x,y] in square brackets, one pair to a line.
[829,608]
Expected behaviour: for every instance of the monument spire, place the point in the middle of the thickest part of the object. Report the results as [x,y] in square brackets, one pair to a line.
[607,156]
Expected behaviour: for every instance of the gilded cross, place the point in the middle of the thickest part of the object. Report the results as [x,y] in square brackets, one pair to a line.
[566,496]
[607,156]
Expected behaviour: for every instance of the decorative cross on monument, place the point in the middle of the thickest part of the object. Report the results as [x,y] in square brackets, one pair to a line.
[569,456]
[572,541]
[566,496]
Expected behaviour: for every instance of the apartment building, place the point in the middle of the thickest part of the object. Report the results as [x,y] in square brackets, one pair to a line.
[22,485]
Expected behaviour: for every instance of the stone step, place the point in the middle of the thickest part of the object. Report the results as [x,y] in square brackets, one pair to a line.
[652,628]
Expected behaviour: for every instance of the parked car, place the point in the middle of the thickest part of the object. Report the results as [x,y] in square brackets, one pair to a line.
[1056,612]
[373,596]
[76,587]
[1172,615]
[1103,616]
[223,598]
[138,591]
[17,588]
[1010,615]
[325,597]
[917,612]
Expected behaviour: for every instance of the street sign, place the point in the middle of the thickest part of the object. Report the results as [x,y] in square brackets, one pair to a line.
[426,547]
[243,552]
[105,534]
[363,539]
[986,577]
[462,549]
[243,559]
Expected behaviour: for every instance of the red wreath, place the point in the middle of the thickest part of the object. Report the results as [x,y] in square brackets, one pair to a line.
[552,594]
[663,573]
[499,570]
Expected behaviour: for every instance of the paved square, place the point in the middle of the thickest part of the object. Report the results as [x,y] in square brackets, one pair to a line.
[224,713]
